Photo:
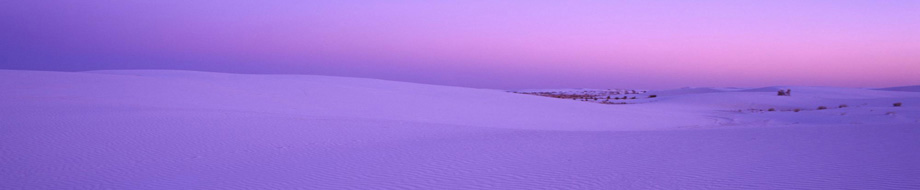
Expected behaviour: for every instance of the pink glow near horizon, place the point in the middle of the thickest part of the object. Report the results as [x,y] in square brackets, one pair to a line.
[510,44]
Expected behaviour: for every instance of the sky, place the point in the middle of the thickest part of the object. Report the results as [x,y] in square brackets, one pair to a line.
[512,44]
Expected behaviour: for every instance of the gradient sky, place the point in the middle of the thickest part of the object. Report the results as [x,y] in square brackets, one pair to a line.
[488,44]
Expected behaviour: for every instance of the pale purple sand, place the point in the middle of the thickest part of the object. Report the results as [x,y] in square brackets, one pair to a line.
[193,130]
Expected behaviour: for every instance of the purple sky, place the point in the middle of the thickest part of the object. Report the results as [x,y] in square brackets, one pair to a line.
[494,44]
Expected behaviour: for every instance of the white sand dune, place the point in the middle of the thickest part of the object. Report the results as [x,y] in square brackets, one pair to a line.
[198,130]
[684,91]
[915,88]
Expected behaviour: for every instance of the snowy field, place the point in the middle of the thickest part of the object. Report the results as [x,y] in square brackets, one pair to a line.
[158,129]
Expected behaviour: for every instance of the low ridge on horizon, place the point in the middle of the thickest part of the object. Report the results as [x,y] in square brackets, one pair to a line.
[901,88]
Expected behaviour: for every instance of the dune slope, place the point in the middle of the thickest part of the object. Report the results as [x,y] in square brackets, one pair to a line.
[195,130]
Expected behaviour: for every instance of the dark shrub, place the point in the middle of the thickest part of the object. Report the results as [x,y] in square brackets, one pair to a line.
[898,104]
[797,110]
[771,109]
[842,106]
[652,96]
[822,108]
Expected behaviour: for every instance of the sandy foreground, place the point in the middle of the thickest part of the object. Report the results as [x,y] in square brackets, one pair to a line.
[155,129]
